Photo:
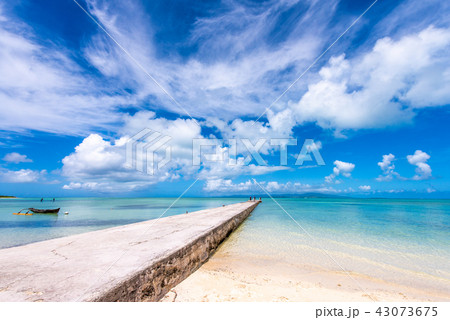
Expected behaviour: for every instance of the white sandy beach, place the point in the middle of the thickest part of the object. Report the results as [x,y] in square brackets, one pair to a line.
[235,274]
[228,278]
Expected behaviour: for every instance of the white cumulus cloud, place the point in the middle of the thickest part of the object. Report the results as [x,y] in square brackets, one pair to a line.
[275,187]
[341,168]
[423,169]
[387,166]
[16,158]
[98,164]
[382,87]
[21,176]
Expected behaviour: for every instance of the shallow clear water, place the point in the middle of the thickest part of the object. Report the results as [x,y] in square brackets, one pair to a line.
[406,241]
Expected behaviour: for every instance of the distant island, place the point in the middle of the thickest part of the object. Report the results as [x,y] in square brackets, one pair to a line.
[7,197]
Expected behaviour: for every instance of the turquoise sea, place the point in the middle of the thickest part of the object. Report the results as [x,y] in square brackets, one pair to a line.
[406,241]
[88,214]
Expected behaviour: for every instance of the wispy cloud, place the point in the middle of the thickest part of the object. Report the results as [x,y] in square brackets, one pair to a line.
[43,89]
[240,58]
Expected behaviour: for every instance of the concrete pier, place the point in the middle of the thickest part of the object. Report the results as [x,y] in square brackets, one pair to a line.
[136,262]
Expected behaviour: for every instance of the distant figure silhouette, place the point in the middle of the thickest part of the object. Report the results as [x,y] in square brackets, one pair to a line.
[53,199]
[42,199]
[250,198]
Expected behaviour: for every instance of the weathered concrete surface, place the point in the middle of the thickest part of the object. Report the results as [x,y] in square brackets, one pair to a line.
[136,262]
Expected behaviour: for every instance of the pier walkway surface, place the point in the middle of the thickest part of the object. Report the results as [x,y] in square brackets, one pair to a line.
[135,262]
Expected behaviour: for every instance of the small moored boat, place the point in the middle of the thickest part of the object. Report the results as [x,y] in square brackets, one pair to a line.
[34,210]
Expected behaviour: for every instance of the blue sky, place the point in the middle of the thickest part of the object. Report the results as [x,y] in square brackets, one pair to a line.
[376,103]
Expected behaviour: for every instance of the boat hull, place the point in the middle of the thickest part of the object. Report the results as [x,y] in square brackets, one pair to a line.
[46,211]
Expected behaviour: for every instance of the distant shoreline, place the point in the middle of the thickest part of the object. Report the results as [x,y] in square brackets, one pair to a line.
[276,196]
